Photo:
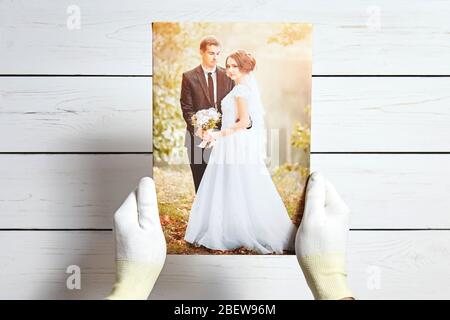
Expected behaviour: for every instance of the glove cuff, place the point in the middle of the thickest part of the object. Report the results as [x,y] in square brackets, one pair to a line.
[326,276]
[134,280]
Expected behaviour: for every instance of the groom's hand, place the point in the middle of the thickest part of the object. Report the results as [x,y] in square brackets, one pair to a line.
[250,122]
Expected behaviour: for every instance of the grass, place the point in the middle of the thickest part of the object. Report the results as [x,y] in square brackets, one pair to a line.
[175,190]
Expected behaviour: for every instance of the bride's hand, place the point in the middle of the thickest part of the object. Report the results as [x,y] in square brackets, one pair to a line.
[211,136]
[200,132]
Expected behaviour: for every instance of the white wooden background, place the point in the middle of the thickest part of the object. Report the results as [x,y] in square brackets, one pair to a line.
[75,137]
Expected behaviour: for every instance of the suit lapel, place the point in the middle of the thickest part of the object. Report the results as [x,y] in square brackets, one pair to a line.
[203,84]
[220,82]
[220,87]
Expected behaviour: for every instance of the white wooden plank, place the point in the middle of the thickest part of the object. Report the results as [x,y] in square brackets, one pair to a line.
[109,114]
[380,114]
[381,265]
[75,114]
[360,37]
[391,191]
[83,191]
[67,191]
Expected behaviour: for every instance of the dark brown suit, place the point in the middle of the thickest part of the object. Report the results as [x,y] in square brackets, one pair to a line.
[194,97]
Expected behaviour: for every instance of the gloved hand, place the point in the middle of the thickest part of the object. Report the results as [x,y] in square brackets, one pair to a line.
[321,240]
[140,244]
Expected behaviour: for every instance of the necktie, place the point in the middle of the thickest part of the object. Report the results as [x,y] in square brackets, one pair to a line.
[211,88]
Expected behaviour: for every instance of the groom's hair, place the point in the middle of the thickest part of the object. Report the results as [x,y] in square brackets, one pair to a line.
[208,41]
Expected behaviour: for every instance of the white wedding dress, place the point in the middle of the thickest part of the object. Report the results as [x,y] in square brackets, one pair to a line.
[237,204]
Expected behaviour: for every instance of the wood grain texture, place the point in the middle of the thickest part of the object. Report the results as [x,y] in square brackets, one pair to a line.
[360,37]
[109,114]
[75,114]
[67,191]
[380,114]
[83,191]
[113,114]
[391,190]
[382,265]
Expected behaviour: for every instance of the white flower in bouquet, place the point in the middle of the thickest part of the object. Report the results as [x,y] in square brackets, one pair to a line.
[207,119]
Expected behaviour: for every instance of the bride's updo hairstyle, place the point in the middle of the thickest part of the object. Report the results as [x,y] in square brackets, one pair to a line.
[244,60]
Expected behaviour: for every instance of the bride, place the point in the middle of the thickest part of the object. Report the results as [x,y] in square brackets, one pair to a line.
[237,204]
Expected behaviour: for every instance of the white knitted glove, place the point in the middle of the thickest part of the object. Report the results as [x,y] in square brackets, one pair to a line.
[140,244]
[321,240]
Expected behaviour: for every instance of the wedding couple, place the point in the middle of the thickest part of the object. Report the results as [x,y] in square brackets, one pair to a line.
[236,203]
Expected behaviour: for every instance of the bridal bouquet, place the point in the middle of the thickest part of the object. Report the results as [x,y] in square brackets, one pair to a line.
[207,119]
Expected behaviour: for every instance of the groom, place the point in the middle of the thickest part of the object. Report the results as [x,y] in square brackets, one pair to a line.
[202,88]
